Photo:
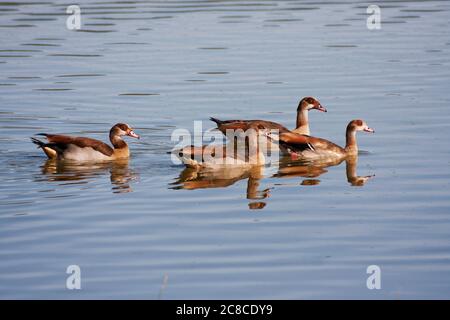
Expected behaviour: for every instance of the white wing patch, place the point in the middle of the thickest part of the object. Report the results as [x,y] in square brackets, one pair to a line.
[76,153]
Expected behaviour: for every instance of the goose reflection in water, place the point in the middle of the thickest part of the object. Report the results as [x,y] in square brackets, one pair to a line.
[121,176]
[352,176]
[313,169]
[191,179]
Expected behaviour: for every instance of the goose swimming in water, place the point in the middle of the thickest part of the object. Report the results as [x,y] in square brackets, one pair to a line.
[62,147]
[302,127]
[247,149]
[307,147]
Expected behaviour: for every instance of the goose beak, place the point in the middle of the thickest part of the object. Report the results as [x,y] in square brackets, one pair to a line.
[321,108]
[134,135]
[369,130]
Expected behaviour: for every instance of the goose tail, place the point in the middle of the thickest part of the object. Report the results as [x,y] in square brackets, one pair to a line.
[217,121]
[38,142]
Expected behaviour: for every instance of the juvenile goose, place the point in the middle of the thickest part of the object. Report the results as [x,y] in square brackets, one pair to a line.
[316,148]
[306,104]
[63,147]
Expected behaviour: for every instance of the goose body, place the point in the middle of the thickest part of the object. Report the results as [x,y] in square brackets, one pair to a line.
[302,127]
[314,148]
[63,147]
[245,151]
[216,157]
[244,125]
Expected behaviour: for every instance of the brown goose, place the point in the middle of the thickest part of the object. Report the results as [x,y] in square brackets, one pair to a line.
[316,148]
[245,150]
[63,147]
[306,104]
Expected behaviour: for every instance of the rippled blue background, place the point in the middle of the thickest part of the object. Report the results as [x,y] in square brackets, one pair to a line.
[160,65]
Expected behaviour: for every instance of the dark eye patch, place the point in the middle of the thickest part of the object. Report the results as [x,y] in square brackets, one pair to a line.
[122,126]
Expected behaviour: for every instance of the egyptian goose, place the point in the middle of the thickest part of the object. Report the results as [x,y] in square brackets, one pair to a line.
[245,150]
[307,147]
[306,104]
[63,147]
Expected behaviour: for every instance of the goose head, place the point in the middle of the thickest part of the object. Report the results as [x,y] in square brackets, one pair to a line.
[359,125]
[123,129]
[310,103]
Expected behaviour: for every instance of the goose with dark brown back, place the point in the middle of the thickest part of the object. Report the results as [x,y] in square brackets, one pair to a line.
[312,148]
[305,105]
[62,147]
[245,150]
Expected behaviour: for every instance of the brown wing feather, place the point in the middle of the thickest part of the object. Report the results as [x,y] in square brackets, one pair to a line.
[323,144]
[290,137]
[81,142]
[295,142]
[298,143]
[246,124]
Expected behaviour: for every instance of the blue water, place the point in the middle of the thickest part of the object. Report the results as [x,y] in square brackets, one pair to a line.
[147,229]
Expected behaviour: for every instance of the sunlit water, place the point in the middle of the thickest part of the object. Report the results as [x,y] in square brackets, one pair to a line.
[148,229]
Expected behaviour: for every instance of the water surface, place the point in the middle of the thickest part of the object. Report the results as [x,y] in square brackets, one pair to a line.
[147,228]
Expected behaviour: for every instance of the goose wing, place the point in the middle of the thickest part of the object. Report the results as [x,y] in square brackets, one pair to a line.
[62,142]
[224,125]
[294,142]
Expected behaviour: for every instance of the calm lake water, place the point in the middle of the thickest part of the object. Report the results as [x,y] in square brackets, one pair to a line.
[148,229]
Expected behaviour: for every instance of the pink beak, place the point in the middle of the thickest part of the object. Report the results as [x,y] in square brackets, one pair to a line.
[321,108]
[369,130]
[134,135]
